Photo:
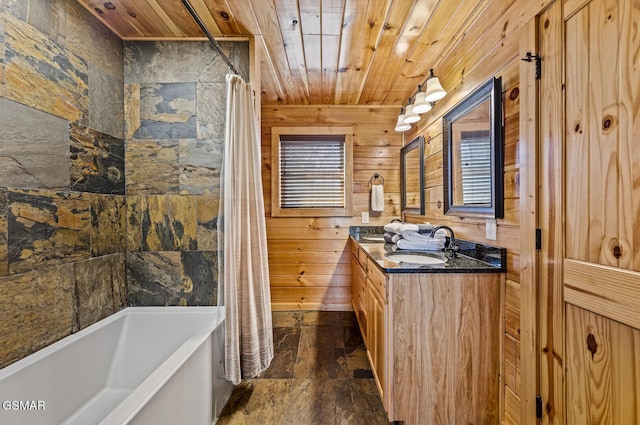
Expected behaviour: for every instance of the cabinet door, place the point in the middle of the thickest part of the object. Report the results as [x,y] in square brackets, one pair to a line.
[358,295]
[376,347]
[355,283]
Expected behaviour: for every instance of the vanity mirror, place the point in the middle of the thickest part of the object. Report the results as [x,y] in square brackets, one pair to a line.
[473,157]
[412,177]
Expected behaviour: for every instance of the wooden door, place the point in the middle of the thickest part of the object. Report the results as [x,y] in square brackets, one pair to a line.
[602,258]
[589,280]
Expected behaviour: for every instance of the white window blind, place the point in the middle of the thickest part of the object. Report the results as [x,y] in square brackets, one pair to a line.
[312,171]
[475,157]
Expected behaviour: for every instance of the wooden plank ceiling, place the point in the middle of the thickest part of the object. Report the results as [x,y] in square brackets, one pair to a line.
[342,52]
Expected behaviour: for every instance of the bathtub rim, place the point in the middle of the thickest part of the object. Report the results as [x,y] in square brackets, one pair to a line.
[69,339]
[133,403]
[140,396]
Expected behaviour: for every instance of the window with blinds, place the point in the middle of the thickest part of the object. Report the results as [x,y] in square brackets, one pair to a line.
[312,171]
[475,160]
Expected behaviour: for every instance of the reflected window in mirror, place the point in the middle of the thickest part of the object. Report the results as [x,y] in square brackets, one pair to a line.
[473,165]
[412,177]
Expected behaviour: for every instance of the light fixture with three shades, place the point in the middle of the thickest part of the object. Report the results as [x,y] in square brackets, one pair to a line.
[421,102]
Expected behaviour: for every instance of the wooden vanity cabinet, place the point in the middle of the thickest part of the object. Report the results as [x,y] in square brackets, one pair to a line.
[358,288]
[370,305]
[433,341]
[377,315]
[445,341]
[358,296]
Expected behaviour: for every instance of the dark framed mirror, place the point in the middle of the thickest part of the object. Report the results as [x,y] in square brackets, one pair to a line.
[412,177]
[473,154]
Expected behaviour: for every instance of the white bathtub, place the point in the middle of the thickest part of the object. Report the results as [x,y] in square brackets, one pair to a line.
[142,365]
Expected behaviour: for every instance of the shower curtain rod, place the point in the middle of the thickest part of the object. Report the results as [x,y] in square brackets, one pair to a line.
[213,41]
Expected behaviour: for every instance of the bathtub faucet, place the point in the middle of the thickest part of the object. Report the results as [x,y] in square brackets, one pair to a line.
[450,242]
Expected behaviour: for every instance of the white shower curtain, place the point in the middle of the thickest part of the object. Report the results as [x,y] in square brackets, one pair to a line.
[242,241]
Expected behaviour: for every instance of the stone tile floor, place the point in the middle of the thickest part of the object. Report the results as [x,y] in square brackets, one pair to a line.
[320,375]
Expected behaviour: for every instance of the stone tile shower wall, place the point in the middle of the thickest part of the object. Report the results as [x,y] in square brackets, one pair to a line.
[174,129]
[65,221]
[62,174]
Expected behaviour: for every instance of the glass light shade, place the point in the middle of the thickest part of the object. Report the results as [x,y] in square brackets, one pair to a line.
[401,125]
[421,106]
[409,116]
[434,90]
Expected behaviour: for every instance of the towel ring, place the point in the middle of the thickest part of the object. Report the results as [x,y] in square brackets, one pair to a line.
[376,176]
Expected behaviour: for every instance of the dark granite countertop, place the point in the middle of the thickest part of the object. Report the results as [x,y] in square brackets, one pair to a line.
[472,257]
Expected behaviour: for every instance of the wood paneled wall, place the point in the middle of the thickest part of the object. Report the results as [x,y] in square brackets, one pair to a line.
[474,229]
[466,69]
[309,258]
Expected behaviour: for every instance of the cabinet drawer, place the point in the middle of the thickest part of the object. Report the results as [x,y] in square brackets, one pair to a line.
[354,248]
[359,279]
[378,279]
[362,259]
[358,297]
[359,255]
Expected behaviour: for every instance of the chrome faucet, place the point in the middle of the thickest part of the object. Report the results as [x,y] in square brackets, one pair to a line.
[450,242]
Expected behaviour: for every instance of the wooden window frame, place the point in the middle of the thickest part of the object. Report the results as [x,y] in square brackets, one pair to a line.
[276,211]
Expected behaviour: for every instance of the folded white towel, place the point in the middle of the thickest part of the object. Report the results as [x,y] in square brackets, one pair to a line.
[419,246]
[377,197]
[430,246]
[397,227]
[412,235]
[422,237]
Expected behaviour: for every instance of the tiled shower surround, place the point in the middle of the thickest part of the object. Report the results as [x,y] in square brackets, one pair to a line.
[174,123]
[109,172]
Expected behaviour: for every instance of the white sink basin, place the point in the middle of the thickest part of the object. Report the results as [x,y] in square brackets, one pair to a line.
[422,259]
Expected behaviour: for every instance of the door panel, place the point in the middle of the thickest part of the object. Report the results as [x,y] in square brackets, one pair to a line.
[601,269]
[603,370]
[592,123]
